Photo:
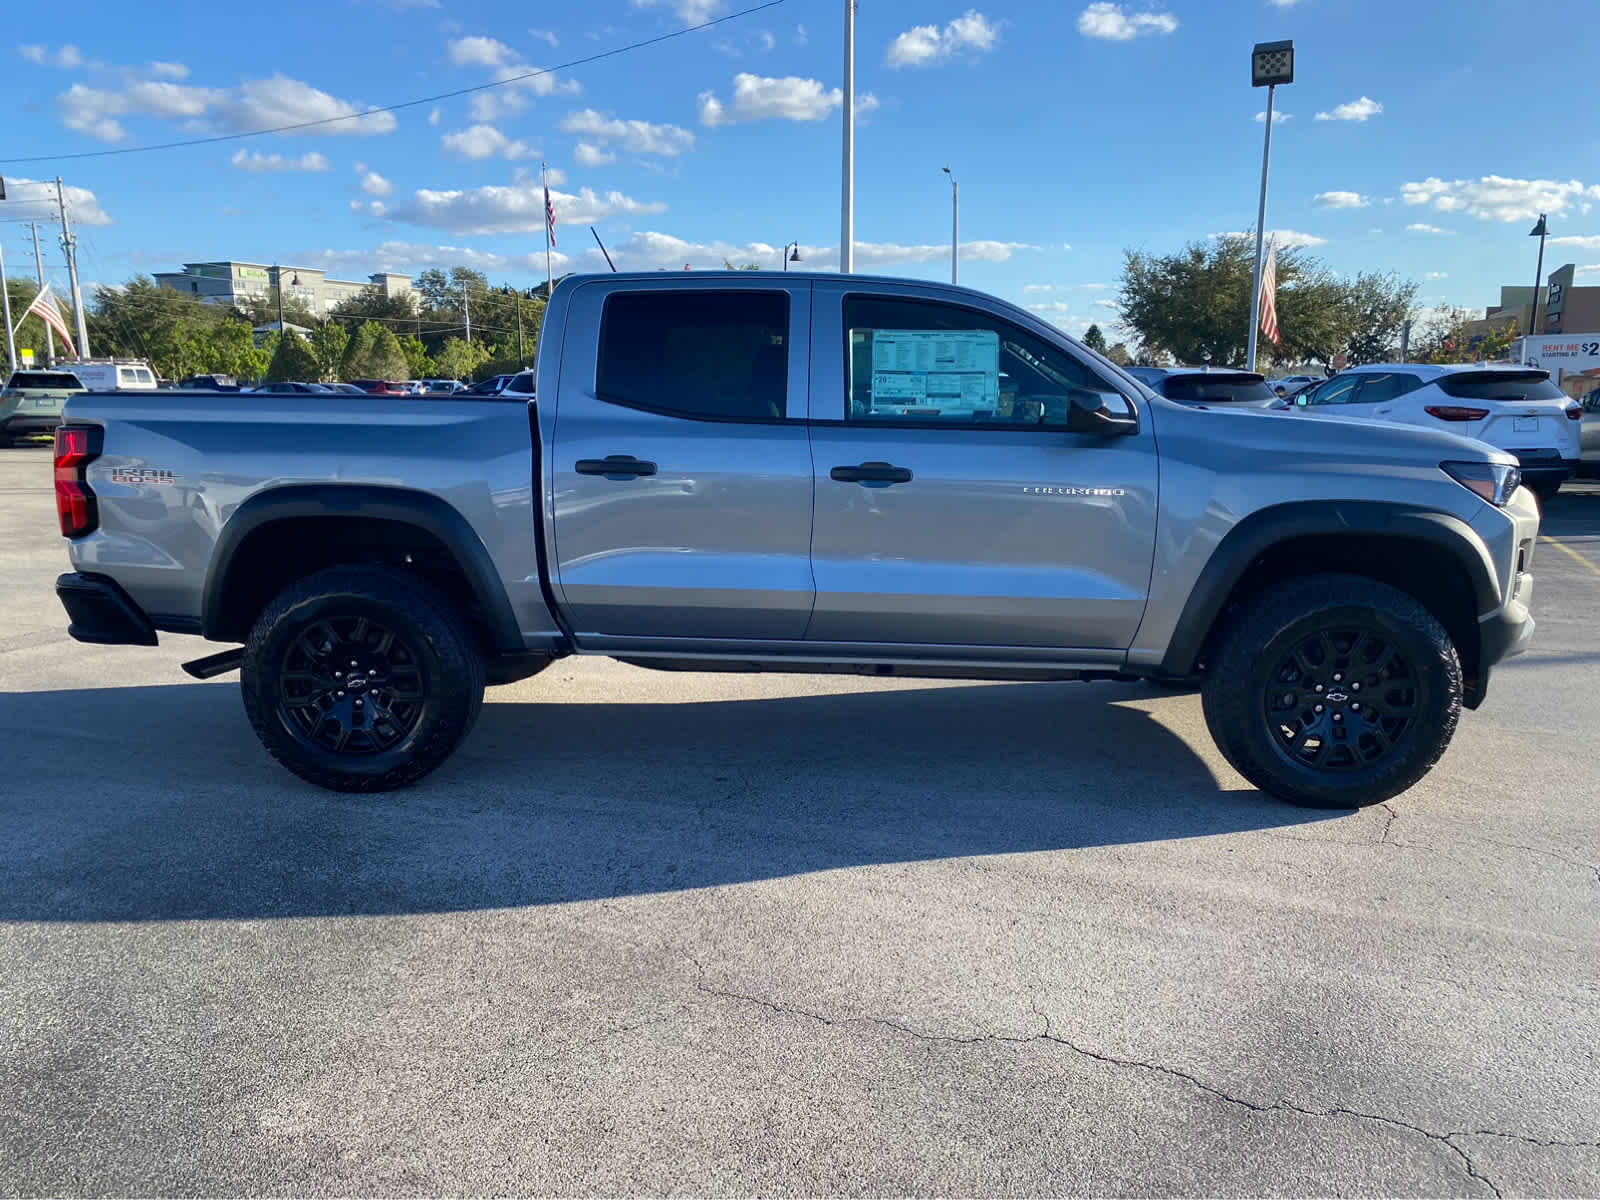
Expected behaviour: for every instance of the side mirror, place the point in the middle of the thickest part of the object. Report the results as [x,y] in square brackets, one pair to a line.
[1302,400]
[1088,412]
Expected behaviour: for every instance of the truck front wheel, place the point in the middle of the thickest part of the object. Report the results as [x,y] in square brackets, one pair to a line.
[1333,691]
[361,679]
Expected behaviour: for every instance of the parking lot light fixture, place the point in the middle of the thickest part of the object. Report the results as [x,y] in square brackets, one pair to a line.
[1539,231]
[791,253]
[1271,63]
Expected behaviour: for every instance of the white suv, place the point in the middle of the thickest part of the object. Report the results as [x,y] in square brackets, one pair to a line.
[1516,409]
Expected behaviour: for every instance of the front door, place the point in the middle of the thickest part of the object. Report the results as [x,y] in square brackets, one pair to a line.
[953,507]
[681,482]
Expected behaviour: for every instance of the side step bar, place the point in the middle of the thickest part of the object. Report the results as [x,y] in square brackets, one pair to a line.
[216,664]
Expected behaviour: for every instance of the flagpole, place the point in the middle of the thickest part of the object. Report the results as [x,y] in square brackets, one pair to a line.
[544,179]
[5,312]
[38,263]
[1261,221]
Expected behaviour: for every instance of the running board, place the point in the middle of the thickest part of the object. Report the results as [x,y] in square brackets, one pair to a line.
[216,664]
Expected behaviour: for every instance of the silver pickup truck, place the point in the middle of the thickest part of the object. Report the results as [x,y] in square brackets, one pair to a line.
[803,473]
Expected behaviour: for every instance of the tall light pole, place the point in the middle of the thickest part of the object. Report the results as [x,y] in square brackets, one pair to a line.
[1271,63]
[955,228]
[5,309]
[1539,232]
[847,220]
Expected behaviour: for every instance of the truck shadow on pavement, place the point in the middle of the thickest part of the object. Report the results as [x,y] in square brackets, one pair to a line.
[156,803]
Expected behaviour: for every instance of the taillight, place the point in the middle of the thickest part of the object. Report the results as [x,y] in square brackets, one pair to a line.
[1574,411]
[76,447]
[1455,412]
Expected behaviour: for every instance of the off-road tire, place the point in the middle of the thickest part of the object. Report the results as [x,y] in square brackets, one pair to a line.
[1259,663]
[426,682]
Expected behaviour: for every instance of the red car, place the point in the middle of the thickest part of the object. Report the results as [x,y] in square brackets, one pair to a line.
[382,387]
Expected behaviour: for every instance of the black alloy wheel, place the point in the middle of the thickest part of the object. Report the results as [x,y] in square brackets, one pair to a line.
[1332,691]
[361,679]
[1342,700]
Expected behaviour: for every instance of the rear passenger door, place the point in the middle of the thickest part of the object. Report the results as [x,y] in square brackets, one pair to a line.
[681,475]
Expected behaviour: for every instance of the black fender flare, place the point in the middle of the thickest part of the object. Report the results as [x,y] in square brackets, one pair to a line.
[1259,532]
[406,506]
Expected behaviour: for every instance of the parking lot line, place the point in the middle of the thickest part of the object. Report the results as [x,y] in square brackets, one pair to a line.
[1570,552]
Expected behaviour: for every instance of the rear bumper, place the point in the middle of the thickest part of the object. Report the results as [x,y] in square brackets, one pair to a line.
[1545,466]
[21,423]
[102,613]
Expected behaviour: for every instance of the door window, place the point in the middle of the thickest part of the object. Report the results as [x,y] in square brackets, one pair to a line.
[923,362]
[720,356]
[521,385]
[1380,389]
[1341,389]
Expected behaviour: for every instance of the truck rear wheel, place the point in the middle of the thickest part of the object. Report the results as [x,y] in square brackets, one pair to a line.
[1333,691]
[361,679]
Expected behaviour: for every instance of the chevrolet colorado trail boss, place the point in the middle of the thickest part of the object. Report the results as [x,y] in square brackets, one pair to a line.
[803,473]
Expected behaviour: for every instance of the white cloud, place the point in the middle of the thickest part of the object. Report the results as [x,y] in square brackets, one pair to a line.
[374,184]
[1498,198]
[1581,243]
[168,70]
[516,209]
[1278,117]
[757,97]
[800,35]
[1355,110]
[1110,305]
[1038,287]
[27,199]
[254,160]
[1285,3]
[1285,239]
[483,141]
[1420,228]
[690,12]
[433,117]
[1437,275]
[67,57]
[1051,306]
[1340,200]
[592,156]
[1588,270]
[1095,287]
[636,137]
[266,103]
[545,35]
[1066,246]
[1108,21]
[925,44]
[504,65]
[645,250]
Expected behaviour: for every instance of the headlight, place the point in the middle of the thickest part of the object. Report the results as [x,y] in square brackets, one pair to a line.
[1493,481]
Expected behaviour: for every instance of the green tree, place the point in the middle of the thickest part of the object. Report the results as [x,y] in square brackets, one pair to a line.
[263,310]
[1381,304]
[328,341]
[292,360]
[399,311]
[357,350]
[1119,354]
[458,360]
[1094,339]
[418,364]
[232,351]
[1195,305]
[384,357]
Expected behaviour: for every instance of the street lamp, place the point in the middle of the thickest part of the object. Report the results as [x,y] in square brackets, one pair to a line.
[955,228]
[1271,63]
[788,257]
[1539,232]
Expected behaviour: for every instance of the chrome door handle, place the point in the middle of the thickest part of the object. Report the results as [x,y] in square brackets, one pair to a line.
[615,466]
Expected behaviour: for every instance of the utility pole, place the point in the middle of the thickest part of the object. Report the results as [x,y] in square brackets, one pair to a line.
[69,245]
[522,352]
[38,264]
[847,220]
[466,308]
[5,313]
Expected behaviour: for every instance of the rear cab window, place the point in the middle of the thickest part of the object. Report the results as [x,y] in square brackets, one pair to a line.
[1218,388]
[45,380]
[706,355]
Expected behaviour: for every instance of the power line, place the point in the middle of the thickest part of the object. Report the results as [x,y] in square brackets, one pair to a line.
[466,91]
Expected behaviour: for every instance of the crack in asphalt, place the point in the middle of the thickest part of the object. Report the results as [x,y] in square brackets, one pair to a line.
[1571,862]
[1046,1034]
[1383,838]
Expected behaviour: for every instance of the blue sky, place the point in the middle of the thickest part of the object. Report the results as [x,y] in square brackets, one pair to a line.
[1075,129]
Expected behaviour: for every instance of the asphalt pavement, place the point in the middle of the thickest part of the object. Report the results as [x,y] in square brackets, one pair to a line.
[734,934]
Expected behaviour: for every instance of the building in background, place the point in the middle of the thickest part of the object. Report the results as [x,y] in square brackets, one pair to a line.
[1563,308]
[241,282]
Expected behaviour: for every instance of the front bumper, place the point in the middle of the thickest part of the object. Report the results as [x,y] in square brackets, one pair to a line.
[1502,634]
[102,613]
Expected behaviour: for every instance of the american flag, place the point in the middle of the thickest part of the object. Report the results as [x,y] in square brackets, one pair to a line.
[549,217]
[1269,294]
[44,305]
